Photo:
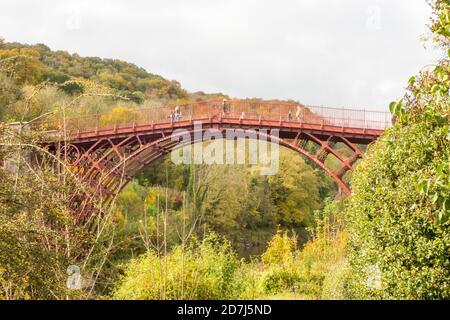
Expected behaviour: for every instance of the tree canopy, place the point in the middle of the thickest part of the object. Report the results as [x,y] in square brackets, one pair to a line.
[400,208]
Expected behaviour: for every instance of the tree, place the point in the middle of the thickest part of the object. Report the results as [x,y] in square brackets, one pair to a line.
[295,191]
[21,64]
[400,208]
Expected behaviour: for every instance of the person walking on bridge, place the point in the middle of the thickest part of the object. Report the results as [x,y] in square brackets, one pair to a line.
[177,114]
[289,116]
[298,114]
[224,106]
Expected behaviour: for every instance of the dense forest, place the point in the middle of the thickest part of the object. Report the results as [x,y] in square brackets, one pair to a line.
[222,231]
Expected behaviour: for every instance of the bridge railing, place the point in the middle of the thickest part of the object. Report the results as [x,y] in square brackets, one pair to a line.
[235,109]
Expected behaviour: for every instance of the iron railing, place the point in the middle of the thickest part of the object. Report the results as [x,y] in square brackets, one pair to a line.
[234,109]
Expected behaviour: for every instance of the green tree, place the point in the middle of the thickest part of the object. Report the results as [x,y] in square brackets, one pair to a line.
[295,191]
[399,213]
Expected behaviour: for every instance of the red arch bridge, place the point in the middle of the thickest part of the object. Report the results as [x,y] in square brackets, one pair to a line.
[107,150]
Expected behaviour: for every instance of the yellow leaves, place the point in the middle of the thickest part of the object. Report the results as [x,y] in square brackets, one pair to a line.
[120,218]
[151,198]
[280,250]
[89,87]
[21,64]
[18,52]
[73,169]
[119,115]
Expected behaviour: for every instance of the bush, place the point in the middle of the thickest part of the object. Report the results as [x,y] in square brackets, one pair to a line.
[203,270]
[400,209]
[318,271]
[280,279]
[392,224]
[280,250]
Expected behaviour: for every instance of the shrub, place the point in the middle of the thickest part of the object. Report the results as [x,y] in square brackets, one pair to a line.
[203,270]
[280,279]
[400,208]
[280,249]
[392,224]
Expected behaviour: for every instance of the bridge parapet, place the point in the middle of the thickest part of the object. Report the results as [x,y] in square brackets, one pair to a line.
[285,112]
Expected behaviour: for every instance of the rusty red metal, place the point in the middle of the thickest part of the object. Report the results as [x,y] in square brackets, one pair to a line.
[107,152]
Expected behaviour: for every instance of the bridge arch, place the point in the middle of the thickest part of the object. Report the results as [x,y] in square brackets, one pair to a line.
[109,164]
[106,157]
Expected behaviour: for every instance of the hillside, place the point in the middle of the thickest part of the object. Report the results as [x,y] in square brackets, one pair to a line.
[25,68]
[59,66]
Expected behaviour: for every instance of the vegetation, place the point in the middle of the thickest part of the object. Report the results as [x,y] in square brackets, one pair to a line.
[185,232]
[400,209]
[396,226]
[210,270]
[39,237]
[202,270]
[152,210]
[36,63]
[33,257]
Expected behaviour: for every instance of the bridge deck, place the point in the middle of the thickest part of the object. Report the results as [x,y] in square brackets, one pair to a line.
[360,126]
[356,135]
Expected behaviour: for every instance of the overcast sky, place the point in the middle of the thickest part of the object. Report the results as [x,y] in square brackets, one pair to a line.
[354,53]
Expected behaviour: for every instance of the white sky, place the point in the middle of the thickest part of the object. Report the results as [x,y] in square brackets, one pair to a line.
[353,53]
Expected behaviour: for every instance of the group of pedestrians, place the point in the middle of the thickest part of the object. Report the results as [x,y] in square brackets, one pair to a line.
[298,114]
[176,115]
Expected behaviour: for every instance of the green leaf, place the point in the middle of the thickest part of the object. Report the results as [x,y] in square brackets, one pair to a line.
[396,108]
[392,107]
[422,186]
[440,168]
[441,74]
[446,204]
